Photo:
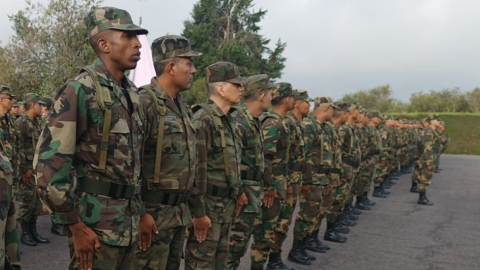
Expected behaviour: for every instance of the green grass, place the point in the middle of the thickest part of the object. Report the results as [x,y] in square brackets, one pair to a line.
[462,128]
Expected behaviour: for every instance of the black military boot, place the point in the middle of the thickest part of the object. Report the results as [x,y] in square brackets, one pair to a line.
[384,191]
[296,254]
[317,240]
[366,200]
[339,228]
[414,188]
[345,221]
[437,170]
[352,210]
[56,229]
[361,205]
[378,193]
[312,245]
[275,262]
[422,199]
[35,235]
[332,236]
[26,237]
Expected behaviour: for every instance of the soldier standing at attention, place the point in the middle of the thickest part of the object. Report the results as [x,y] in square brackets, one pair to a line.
[28,129]
[216,197]
[15,108]
[276,152]
[257,99]
[9,147]
[96,127]
[168,163]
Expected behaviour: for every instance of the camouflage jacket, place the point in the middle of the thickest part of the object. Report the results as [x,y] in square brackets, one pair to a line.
[318,152]
[6,182]
[253,162]
[211,162]
[276,151]
[386,149]
[376,142]
[72,137]
[351,155]
[28,132]
[297,149]
[426,146]
[177,171]
[11,142]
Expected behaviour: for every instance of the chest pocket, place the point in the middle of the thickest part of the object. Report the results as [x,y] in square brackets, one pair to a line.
[173,141]
[119,137]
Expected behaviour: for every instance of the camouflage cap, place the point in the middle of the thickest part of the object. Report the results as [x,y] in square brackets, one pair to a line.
[47,101]
[224,72]
[352,106]
[323,100]
[256,84]
[282,90]
[389,117]
[376,114]
[341,106]
[32,97]
[17,104]
[433,117]
[105,18]
[300,94]
[6,90]
[171,46]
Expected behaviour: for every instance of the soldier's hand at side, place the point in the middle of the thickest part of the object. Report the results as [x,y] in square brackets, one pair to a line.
[147,227]
[27,177]
[241,201]
[85,243]
[306,189]
[269,197]
[431,167]
[201,226]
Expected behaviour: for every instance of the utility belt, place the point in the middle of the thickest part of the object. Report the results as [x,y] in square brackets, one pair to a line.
[279,170]
[108,189]
[226,192]
[349,161]
[296,167]
[165,197]
[326,170]
[252,175]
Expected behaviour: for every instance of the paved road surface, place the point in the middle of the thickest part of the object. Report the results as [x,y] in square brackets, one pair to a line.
[396,234]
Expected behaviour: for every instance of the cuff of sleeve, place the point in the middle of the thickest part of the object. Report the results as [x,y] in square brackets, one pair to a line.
[66,218]
[200,211]
[143,211]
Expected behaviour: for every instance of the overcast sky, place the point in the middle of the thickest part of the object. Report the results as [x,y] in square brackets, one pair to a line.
[336,47]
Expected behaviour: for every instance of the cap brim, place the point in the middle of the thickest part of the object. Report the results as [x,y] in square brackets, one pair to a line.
[238,80]
[189,54]
[131,28]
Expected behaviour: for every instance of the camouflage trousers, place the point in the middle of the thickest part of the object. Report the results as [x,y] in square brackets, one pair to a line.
[30,204]
[165,252]
[108,258]
[365,176]
[211,253]
[12,241]
[307,217]
[381,171]
[264,234]
[403,156]
[422,175]
[351,176]
[339,200]
[285,218]
[329,195]
[9,242]
[240,235]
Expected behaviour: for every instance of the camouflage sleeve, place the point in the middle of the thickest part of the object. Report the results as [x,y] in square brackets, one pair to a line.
[309,137]
[271,134]
[21,128]
[203,126]
[384,153]
[56,150]
[428,148]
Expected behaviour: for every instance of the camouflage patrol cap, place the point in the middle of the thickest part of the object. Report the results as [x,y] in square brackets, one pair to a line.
[389,117]
[433,117]
[282,90]
[47,101]
[341,106]
[256,84]
[171,46]
[324,100]
[32,97]
[300,94]
[352,106]
[375,114]
[6,90]
[105,18]
[224,72]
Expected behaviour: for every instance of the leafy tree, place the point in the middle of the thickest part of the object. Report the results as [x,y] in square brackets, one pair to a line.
[48,47]
[378,98]
[228,30]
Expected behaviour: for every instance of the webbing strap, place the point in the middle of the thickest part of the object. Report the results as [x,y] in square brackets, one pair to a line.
[287,133]
[255,132]
[218,122]
[32,130]
[160,108]
[104,101]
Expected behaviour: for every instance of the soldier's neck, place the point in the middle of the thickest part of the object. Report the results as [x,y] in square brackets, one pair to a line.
[222,103]
[254,108]
[3,111]
[170,89]
[280,110]
[31,114]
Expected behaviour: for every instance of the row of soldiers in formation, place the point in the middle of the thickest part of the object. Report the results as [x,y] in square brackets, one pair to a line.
[128,172]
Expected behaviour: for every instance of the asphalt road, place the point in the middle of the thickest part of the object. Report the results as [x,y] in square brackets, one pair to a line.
[396,234]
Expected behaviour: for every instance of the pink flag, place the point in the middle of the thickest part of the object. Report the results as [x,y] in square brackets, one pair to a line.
[144,71]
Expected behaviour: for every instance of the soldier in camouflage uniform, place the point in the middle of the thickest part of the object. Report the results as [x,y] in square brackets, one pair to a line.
[96,126]
[339,117]
[9,141]
[425,165]
[168,170]
[386,158]
[217,199]
[15,108]
[376,145]
[28,130]
[257,99]
[276,152]
[444,142]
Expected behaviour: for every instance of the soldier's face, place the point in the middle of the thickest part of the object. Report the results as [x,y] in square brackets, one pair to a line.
[266,100]
[232,92]
[124,49]
[289,102]
[183,71]
[6,102]
[14,110]
[304,108]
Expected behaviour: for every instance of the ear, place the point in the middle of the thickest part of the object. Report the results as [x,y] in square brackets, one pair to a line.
[221,90]
[103,45]
[170,68]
